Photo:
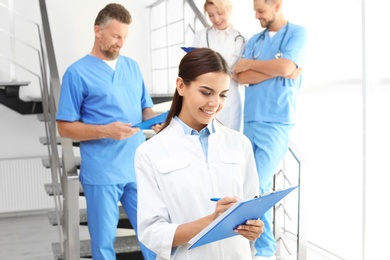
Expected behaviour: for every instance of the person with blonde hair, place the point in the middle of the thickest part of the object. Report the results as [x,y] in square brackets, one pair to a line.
[229,42]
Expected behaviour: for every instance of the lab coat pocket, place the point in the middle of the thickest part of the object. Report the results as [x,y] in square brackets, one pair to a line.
[232,156]
[174,173]
[173,163]
[232,169]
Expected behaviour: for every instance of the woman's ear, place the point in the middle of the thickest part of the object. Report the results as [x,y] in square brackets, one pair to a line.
[180,86]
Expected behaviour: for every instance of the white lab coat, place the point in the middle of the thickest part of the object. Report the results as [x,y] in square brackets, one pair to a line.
[230,47]
[175,184]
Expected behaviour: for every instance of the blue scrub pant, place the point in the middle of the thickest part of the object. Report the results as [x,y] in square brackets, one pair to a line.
[270,144]
[103,217]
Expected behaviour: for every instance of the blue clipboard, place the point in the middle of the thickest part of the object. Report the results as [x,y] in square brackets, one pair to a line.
[145,125]
[223,226]
[188,49]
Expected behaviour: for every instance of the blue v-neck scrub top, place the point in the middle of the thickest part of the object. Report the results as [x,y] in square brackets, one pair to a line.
[93,93]
[274,100]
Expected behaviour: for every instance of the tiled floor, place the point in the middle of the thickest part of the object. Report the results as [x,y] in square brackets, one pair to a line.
[27,238]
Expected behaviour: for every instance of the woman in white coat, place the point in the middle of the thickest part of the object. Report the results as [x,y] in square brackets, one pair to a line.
[192,159]
[229,42]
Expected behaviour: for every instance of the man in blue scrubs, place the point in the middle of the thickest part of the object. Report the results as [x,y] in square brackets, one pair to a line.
[102,95]
[271,68]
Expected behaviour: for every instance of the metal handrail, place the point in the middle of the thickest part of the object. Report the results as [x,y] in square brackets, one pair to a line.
[193,6]
[69,176]
[300,235]
[198,14]
[20,15]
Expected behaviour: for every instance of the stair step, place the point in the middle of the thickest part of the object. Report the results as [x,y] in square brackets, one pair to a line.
[123,219]
[46,162]
[45,141]
[12,87]
[50,191]
[122,245]
[41,117]
[161,98]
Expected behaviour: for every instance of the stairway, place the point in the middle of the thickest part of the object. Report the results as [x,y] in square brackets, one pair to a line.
[65,187]
[126,247]
[9,97]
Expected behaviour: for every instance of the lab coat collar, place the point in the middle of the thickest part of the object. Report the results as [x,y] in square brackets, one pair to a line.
[226,31]
[188,130]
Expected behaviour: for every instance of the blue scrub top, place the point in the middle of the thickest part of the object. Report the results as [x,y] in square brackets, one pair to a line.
[93,93]
[274,100]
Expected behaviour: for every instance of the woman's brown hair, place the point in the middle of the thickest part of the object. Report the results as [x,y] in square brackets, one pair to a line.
[195,63]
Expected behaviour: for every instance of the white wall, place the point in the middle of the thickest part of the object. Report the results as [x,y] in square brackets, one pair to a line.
[72,30]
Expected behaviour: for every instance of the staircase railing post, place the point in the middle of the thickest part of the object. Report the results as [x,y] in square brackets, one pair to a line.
[280,181]
[71,216]
[301,232]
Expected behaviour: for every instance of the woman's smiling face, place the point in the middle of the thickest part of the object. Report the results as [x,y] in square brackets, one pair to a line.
[219,18]
[203,98]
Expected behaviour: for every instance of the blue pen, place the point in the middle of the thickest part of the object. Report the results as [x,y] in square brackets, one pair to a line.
[215,199]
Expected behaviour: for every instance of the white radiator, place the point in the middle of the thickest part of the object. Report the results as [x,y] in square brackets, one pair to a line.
[22,185]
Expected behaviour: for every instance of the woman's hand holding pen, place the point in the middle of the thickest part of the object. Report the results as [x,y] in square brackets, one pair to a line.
[186,231]
[223,204]
[251,230]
